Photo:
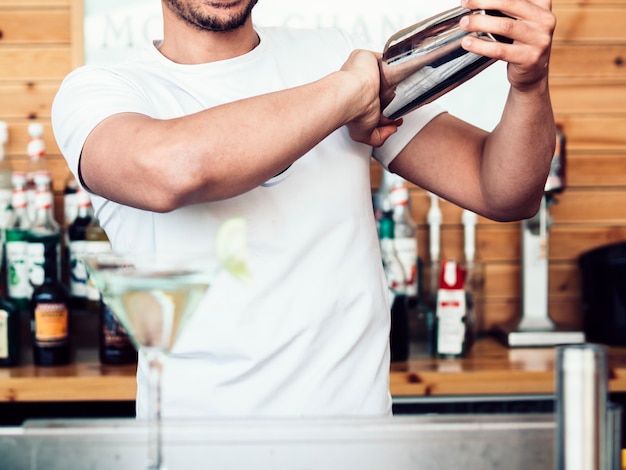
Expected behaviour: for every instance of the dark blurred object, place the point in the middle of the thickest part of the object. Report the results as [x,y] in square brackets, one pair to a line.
[604,294]
[556,178]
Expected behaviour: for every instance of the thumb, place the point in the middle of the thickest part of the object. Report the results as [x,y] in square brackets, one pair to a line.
[382,133]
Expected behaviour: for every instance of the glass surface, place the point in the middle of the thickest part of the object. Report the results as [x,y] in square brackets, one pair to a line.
[152,298]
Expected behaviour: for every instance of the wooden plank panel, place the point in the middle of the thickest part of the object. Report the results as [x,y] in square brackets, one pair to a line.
[18,137]
[586,206]
[583,60]
[567,243]
[34,64]
[35,26]
[580,97]
[596,170]
[26,4]
[566,313]
[595,132]
[601,24]
[503,281]
[27,100]
[502,245]
[494,243]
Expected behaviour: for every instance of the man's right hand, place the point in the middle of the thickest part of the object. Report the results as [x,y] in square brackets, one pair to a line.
[367,125]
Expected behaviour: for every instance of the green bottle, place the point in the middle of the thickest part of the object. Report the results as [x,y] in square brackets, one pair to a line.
[44,236]
[19,289]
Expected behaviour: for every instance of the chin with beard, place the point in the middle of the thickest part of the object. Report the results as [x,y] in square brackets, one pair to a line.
[196,17]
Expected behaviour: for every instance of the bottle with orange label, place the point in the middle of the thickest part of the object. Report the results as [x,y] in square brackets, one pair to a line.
[49,303]
[50,323]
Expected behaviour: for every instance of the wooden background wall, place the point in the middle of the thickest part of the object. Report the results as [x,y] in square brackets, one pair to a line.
[41,41]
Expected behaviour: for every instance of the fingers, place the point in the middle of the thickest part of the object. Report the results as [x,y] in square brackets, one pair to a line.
[377,136]
[530,26]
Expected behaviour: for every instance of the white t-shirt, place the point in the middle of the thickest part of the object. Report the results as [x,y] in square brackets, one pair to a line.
[309,337]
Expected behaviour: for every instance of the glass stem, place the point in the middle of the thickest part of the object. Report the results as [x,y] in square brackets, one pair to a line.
[155,456]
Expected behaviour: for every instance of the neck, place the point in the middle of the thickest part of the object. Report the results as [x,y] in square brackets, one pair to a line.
[184,44]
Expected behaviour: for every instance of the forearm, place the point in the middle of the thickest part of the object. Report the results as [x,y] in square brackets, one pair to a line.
[517,154]
[217,153]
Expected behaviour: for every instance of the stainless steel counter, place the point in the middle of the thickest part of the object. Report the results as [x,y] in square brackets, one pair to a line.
[480,442]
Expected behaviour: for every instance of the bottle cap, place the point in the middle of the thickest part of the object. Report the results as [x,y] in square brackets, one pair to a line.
[18,178]
[35,129]
[42,177]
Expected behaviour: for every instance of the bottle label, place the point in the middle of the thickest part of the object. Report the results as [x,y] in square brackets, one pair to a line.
[18,283]
[451,321]
[407,254]
[451,309]
[78,271]
[70,208]
[51,324]
[394,271]
[36,261]
[4,334]
[114,335]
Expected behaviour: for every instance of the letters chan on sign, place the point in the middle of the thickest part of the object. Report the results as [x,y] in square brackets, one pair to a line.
[114,29]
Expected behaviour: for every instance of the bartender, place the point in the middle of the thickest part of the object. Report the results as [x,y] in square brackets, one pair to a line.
[222,118]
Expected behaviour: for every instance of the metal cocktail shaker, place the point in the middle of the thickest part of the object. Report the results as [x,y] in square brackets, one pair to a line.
[424,61]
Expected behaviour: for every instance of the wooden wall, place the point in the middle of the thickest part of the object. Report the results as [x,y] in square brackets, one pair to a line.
[41,41]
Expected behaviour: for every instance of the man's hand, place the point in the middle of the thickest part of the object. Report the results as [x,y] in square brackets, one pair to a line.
[367,124]
[531,28]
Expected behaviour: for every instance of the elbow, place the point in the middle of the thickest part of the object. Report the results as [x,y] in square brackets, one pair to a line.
[515,211]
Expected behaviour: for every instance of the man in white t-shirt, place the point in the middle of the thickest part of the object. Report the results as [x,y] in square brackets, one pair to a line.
[222,119]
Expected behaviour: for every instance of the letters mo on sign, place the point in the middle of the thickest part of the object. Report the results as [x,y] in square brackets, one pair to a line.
[113,29]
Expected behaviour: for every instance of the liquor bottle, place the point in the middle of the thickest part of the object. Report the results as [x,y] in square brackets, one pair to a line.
[70,209]
[36,151]
[50,322]
[10,333]
[451,311]
[396,280]
[405,238]
[77,247]
[6,192]
[44,236]
[70,200]
[381,193]
[6,172]
[96,241]
[115,345]
[19,289]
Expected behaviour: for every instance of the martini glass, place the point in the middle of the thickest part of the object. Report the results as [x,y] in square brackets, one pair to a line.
[152,297]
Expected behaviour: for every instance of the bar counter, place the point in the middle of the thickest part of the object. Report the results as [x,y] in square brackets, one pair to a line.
[489,369]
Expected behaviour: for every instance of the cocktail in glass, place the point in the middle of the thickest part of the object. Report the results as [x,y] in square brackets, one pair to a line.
[152,298]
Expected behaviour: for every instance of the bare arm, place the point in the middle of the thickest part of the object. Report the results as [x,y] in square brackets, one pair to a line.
[502,174]
[221,152]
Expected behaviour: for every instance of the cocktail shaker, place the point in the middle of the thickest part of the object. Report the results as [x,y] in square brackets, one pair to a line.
[424,61]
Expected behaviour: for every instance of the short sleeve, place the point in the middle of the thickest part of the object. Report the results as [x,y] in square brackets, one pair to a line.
[413,123]
[87,96]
